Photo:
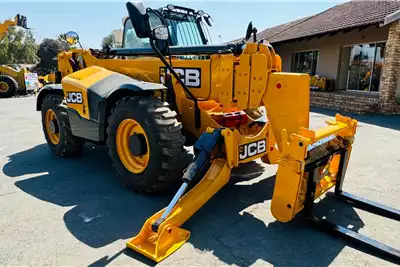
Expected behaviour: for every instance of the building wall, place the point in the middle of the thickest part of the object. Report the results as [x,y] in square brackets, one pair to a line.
[398,89]
[391,71]
[329,48]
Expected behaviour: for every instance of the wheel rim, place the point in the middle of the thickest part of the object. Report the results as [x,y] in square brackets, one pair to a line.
[52,127]
[4,87]
[125,131]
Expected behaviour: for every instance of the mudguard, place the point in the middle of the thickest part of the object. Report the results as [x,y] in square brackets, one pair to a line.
[45,90]
[91,92]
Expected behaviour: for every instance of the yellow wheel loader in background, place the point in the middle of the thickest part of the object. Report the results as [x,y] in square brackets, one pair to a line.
[13,80]
[143,100]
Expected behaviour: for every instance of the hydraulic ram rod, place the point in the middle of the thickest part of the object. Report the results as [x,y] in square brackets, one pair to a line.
[204,146]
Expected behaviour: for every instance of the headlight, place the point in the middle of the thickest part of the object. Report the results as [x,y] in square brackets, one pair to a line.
[161,32]
[200,12]
[170,7]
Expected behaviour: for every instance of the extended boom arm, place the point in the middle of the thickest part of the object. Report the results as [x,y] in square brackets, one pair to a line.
[18,21]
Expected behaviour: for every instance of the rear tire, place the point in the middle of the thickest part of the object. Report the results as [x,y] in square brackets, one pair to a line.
[63,143]
[166,156]
[8,86]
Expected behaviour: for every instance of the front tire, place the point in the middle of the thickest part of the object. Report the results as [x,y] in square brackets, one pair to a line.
[8,86]
[57,130]
[146,144]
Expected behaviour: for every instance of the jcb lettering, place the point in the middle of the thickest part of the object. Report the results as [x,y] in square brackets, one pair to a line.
[252,149]
[191,77]
[74,98]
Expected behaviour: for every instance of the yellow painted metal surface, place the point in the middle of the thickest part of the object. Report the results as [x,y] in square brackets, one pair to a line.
[127,128]
[291,180]
[288,177]
[242,82]
[78,82]
[258,79]
[50,117]
[18,75]
[147,69]
[287,100]
[158,246]
[222,79]
[4,87]
[4,27]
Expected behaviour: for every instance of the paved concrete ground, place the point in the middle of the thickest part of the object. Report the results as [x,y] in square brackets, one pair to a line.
[57,211]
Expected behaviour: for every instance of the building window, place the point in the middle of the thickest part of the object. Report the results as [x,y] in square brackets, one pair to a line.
[305,62]
[361,67]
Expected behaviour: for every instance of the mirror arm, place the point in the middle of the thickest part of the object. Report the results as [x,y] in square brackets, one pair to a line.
[254,35]
[176,76]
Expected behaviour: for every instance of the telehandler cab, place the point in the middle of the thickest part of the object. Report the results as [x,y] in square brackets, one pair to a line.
[210,92]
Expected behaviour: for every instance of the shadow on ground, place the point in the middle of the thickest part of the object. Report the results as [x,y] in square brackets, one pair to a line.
[103,211]
[387,121]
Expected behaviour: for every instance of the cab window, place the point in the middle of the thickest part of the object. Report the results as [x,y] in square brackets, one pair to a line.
[130,39]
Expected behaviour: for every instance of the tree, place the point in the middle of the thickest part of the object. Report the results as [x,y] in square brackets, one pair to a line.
[63,40]
[48,51]
[18,47]
[108,40]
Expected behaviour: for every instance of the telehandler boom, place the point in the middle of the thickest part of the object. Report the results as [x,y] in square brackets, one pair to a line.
[19,21]
[211,90]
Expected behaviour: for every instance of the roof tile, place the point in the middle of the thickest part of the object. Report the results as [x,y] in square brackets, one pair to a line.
[344,16]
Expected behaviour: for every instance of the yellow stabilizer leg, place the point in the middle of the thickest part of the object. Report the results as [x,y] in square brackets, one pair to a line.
[158,246]
[291,179]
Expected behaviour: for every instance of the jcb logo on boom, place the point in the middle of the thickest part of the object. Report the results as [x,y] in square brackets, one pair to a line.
[74,98]
[252,149]
[190,76]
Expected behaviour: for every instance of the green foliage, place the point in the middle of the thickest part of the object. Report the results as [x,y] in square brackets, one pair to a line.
[108,40]
[18,47]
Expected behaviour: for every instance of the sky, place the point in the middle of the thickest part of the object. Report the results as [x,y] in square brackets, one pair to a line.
[93,20]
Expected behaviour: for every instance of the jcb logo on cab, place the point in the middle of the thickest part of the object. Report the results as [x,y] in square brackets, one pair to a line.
[74,98]
[190,76]
[252,149]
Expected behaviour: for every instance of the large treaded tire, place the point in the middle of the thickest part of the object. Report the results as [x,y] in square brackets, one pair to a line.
[168,157]
[68,145]
[12,86]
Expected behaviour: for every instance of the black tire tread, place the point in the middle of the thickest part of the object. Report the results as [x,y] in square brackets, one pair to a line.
[69,145]
[169,139]
[13,89]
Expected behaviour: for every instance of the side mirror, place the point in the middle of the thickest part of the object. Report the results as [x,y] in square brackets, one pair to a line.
[249,31]
[72,38]
[139,19]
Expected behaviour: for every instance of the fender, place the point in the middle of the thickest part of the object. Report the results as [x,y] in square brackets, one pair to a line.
[48,89]
[103,94]
[100,89]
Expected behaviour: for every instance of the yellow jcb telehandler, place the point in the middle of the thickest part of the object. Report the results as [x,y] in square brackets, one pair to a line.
[15,80]
[143,101]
